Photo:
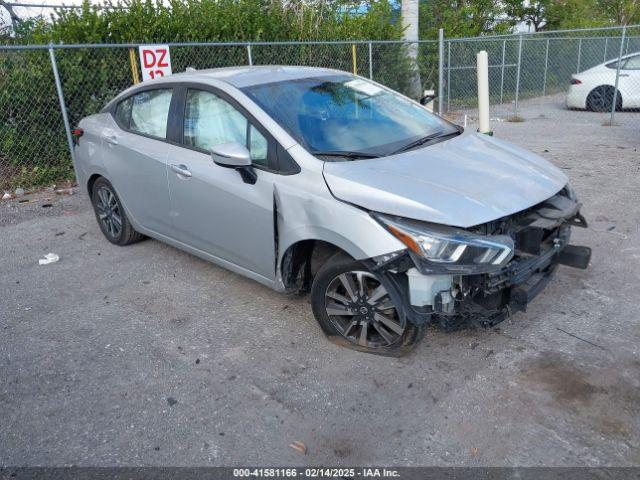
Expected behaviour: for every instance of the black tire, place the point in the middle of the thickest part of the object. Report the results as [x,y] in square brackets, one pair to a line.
[600,99]
[387,330]
[111,216]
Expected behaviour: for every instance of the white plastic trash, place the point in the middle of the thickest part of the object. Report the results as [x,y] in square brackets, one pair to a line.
[49,258]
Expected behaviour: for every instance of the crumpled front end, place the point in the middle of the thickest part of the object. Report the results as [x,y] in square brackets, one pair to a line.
[453,298]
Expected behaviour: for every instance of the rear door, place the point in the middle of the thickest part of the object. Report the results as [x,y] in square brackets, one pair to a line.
[135,154]
[213,209]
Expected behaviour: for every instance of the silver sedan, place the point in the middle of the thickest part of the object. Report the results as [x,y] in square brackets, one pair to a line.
[308,179]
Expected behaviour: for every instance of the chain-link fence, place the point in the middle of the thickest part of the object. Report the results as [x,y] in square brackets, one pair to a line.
[528,75]
[34,141]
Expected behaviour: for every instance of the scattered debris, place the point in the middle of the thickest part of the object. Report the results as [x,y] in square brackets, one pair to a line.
[611,228]
[197,361]
[171,401]
[19,191]
[473,451]
[49,258]
[47,205]
[582,339]
[6,196]
[59,234]
[64,191]
[299,447]
[81,236]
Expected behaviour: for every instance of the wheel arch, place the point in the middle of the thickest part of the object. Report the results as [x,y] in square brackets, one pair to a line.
[301,260]
[91,182]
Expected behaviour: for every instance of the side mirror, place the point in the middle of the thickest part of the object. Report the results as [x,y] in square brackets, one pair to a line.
[236,156]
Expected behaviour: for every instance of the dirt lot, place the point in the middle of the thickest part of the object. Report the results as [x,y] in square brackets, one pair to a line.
[145,355]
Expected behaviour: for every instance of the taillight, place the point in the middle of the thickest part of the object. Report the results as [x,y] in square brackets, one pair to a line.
[76,133]
[575,81]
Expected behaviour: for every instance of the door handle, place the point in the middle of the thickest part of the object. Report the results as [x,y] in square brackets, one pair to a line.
[624,75]
[181,170]
[112,139]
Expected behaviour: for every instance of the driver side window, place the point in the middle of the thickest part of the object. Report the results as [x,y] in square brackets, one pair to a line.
[209,121]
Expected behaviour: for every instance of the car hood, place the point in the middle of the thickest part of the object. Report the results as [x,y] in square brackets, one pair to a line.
[468,180]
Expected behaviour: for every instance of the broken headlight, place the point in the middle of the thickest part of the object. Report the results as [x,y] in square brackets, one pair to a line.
[452,249]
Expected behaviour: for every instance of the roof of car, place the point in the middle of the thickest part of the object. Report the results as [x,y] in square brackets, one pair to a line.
[239,77]
[253,75]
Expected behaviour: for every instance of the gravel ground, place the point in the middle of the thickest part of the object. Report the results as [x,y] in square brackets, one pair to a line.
[146,355]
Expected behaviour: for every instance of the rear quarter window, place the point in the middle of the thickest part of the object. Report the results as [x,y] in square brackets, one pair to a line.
[123,113]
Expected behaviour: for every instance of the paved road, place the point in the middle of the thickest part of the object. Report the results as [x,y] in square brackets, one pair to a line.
[145,355]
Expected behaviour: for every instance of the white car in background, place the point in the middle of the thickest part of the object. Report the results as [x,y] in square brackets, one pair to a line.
[593,89]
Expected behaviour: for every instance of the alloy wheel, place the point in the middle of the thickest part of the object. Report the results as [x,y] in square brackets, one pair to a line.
[361,310]
[600,99]
[108,212]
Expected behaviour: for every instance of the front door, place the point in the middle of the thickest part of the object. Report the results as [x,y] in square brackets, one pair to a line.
[212,208]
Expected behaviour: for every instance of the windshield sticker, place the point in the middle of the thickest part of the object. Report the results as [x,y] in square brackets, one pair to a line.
[364,87]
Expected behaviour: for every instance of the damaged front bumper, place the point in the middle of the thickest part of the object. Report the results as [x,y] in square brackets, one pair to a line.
[433,294]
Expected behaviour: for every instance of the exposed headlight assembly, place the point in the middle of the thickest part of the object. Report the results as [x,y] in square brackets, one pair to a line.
[450,249]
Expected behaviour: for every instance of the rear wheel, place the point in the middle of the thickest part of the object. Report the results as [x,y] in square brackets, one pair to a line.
[600,99]
[110,214]
[355,310]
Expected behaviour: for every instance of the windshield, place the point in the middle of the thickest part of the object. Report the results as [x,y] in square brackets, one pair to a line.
[342,113]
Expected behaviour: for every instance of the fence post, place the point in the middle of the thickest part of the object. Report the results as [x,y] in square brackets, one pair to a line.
[504,47]
[449,76]
[579,55]
[518,75]
[606,41]
[63,106]
[249,57]
[626,50]
[440,70]
[354,59]
[370,62]
[546,65]
[614,100]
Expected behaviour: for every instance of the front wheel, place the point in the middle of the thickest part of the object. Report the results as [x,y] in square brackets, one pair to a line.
[355,310]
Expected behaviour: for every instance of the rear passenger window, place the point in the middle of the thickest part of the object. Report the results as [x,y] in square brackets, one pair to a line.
[633,63]
[146,112]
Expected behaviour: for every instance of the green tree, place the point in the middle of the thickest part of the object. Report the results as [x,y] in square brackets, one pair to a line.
[621,12]
[463,18]
[543,15]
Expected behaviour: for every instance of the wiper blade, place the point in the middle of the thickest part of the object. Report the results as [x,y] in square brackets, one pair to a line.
[344,154]
[421,141]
